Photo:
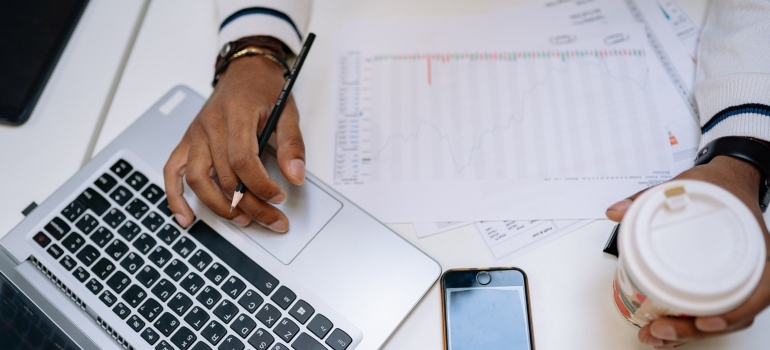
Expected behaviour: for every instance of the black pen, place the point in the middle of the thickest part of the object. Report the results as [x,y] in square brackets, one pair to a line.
[277,109]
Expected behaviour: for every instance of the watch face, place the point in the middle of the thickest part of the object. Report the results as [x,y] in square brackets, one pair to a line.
[225,50]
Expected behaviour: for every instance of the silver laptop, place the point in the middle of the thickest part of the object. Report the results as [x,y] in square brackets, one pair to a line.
[101,262]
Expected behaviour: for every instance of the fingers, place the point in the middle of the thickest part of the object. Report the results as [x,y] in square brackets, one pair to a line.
[290,145]
[173,172]
[264,213]
[616,211]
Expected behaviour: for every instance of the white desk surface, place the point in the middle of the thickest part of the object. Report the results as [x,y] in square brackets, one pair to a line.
[570,278]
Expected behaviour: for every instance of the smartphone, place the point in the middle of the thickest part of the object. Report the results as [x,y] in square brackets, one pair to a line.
[486,308]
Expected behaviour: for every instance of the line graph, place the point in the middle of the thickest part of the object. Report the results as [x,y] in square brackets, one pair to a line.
[541,114]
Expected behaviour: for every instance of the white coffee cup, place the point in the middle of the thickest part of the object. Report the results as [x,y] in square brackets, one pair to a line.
[687,248]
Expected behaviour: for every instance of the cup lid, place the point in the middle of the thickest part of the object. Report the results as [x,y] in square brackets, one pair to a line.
[692,246]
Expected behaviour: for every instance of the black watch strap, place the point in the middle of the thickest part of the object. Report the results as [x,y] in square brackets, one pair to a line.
[753,151]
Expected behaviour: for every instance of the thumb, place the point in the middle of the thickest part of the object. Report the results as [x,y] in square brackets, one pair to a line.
[616,211]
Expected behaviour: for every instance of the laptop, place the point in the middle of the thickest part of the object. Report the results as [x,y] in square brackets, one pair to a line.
[101,263]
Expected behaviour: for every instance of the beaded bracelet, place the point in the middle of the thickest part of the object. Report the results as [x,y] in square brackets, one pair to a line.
[245,52]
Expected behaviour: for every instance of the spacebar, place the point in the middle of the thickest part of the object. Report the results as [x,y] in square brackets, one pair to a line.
[233,257]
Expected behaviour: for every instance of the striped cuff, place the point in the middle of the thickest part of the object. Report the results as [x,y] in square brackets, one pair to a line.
[285,20]
[734,105]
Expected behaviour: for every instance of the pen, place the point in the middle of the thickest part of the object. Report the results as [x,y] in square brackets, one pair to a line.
[277,109]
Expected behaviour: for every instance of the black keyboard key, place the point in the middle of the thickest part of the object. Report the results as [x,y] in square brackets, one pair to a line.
[320,326]
[121,195]
[135,323]
[164,289]
[268,315]
[41,239]
[243,325]
[108,298]
[103,268]
[118,282]
[184,338]
[192,283]
[209,297]
[233,257]
[168,234]
[57,228]
[233,287]
[81,274]
[129,230]
[180,303]
[150,336]
[73,242]
[121,310]
[217,273]
[184,246]
[163,207]
[94,286]
[137,180]
[160,256]
[152,221]
[153,193]
[261,339]
[197,318]
[251,300]
[73,210]
[93,200]
[200,346]
[286,330]
[231,343]
[116,249]
[105,182]
[68,262]
[150,309]
[88,255]
[114,217]
[200,260]
[147,276]
[134,295]
[166,324]
[144,243]
[283,297]
[132,263]
[226,311]
[176,269]
[55,251]
[301,311]
[214,332]
[306,342]
[279,346]
[87,223]
[338,340]
[101,236]
[163,345]
[137,208]
[121,168]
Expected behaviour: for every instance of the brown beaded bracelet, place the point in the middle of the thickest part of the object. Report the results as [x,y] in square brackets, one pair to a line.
[267,47]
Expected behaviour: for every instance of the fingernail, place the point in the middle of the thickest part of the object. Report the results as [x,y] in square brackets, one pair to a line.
[621,206]
[278,199]
[664,332]
[297,169]
[279,226]
[181,220]
[650,340]
[242,220]
[710,324]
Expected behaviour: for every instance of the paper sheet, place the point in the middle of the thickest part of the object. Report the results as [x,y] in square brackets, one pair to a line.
[511,239]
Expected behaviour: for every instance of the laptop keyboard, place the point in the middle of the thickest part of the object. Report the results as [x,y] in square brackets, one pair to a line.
[177,288]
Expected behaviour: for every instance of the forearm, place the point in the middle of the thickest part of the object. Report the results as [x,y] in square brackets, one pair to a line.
[733,80]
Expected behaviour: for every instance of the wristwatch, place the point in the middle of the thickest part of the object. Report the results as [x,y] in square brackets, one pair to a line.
[754,151]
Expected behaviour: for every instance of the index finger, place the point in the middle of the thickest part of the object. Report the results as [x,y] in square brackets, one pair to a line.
[173,172]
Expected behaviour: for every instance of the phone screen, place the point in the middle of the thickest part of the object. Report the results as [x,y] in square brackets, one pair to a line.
[491,316]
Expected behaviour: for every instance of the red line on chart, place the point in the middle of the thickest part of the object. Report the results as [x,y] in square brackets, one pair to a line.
[427,58]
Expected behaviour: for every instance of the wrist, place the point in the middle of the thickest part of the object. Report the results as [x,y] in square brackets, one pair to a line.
[262,47]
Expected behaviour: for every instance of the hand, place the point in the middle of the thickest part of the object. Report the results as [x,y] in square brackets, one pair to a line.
[742,180]
[220,147]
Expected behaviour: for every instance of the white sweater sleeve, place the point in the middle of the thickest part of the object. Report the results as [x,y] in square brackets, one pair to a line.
[285,20]
[732,85]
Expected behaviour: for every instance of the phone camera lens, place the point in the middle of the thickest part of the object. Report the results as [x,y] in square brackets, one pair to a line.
[483,278]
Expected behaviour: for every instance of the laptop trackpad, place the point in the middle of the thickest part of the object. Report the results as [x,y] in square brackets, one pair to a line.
[308,208]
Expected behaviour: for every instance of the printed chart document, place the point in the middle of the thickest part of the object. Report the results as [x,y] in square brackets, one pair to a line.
[447,119]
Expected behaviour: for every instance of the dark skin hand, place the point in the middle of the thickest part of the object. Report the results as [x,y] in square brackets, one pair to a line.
[742,180]
[220,147]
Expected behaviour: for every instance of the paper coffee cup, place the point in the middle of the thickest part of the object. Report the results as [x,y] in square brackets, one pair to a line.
[687,248]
